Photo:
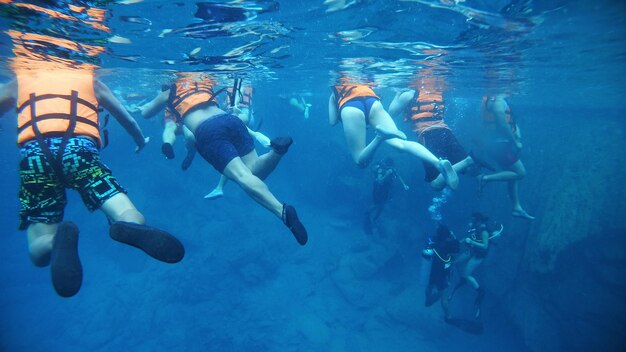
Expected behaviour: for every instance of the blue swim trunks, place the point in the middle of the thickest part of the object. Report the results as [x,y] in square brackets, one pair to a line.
[362,103]
[221,139]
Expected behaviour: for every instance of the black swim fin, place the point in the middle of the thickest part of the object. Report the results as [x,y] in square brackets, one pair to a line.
[167,150]
[65,266]
[290,218]
[188,160]
[281,144]
[158,244]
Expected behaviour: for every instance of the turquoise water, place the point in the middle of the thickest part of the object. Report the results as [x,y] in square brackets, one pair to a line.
[244,284]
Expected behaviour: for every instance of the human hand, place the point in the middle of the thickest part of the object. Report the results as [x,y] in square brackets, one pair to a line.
[406,187]
[141,145]
[467,240]
[518,144]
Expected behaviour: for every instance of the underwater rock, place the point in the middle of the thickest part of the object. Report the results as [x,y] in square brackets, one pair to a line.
[408,308]
[568,271]
[354,280]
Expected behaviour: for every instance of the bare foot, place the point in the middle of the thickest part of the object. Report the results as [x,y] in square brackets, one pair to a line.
[452,179]
[521,213]
[387,133]
[216,193]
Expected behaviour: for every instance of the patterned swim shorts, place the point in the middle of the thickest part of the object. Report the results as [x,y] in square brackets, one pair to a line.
[42,190]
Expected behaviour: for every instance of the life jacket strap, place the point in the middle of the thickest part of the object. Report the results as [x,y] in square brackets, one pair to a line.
[56,163]
[35,98]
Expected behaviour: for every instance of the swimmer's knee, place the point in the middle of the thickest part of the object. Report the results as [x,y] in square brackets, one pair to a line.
[131,215]
[40,247]
[120,208]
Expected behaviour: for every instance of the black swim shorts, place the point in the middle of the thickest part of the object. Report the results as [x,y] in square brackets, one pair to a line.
[443,144]
[221,139]
[42,190]
[504,152]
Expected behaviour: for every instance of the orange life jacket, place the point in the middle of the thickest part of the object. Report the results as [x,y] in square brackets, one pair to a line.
[55,103]
[426,106]
[188,93]
[346,92]
[489,118]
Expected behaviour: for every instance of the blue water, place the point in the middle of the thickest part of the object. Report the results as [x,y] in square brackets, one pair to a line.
[245,285]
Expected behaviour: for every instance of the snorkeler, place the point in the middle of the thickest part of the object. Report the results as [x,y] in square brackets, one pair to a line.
[172,129]
[440,251]
[385,175]
[59,139]
[239,103]
[481,231]
[357,106]
[423,107]
[223,140]
[301,104]
[501,139]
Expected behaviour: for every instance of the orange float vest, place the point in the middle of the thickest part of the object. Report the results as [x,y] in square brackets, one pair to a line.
[346,92]
[188,93]
[489,119]
[426,107]
[56,102]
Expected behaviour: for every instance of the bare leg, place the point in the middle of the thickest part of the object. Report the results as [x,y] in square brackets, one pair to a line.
[354,127]
[512,177]
[265,164]
[471,265]
[518,211]
[169,132]
[40,241]
[381,119]
[190,145]
[128,228]
[400,101]
[120,208]
[169,137]
[439,183]
[218,191]
[516,172]
[237,171]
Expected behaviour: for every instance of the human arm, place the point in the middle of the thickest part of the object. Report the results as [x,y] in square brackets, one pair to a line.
[485,240]
[498,108]
[404,185]
[115,107]
[157,104]
[518,137]
[400,101]
[7,96]
[333,117]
